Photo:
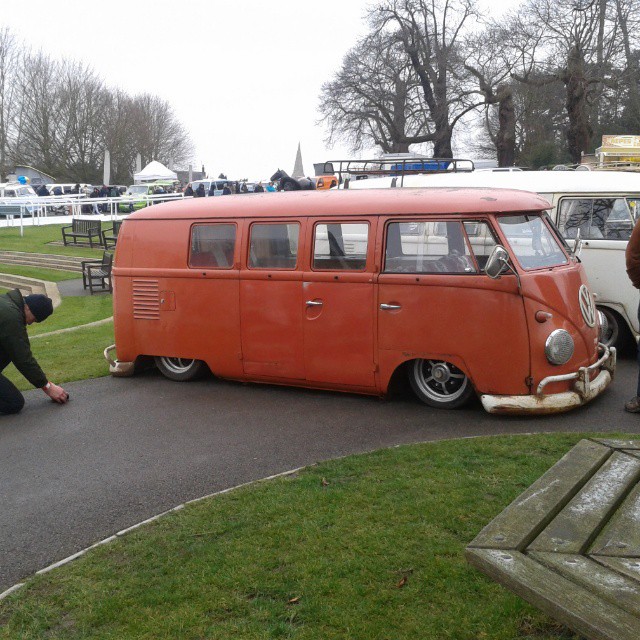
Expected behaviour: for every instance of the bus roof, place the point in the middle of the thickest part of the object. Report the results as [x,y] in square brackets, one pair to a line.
[580,182]
[338,203]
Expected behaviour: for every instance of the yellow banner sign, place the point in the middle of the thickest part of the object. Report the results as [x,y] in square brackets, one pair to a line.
[626,142]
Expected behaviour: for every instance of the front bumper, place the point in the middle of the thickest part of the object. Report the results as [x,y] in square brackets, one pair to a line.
[584,389]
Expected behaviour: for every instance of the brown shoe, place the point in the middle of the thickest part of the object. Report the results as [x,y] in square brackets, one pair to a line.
[633,406]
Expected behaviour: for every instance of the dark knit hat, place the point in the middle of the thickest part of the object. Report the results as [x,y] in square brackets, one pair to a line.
[40,306]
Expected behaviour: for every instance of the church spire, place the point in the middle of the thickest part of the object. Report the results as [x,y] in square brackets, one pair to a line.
[298,169]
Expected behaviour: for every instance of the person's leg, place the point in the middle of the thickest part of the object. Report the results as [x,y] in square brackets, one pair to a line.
[638,356]
[633,406]
[11,400]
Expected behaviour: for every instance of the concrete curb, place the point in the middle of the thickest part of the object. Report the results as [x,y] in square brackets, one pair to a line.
[282,474]
[124,532]
[97,323]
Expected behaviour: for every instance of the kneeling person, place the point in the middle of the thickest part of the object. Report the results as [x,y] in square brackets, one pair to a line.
[16,313]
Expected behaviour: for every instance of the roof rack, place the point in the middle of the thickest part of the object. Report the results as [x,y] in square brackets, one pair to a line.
[395,166]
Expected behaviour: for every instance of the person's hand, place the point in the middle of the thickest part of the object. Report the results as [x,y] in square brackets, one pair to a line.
[56,393]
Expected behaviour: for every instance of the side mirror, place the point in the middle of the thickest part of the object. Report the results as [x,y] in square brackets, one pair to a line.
[498,262]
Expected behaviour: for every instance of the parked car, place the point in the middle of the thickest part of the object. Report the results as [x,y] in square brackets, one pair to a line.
[17,190]
[207,182]
[67,187]
[140,193]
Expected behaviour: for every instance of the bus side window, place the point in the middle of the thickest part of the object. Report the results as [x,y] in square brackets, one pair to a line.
[273,246]
[439,247]
[340,245]
[212,246]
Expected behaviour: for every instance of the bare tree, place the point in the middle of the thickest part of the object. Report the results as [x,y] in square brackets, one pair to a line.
[628,15]
[569,42]
[8,63]
[430,32]
[59,116]
[80,126]
[374,97]
[157,133]
[38,112]
[119,135]
[491,68]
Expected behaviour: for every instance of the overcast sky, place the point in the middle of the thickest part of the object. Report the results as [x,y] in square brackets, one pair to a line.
[243,76]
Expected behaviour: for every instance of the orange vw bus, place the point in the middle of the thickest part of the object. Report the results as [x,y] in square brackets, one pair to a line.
[465,291]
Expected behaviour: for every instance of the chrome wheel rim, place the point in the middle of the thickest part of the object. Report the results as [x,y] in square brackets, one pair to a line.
[177,365]
[610,337]
[439,380]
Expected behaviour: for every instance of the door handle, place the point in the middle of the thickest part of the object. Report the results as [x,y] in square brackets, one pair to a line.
[313,303]
[387,307]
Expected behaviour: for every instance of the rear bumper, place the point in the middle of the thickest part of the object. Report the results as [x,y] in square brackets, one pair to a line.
[585,388]
[117,368]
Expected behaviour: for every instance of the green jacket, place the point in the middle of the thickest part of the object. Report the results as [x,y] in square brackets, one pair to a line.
[14,341]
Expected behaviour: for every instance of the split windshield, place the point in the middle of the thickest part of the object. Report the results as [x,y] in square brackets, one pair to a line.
[532,242]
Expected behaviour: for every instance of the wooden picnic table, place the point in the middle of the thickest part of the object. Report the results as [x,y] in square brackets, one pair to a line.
[570,544]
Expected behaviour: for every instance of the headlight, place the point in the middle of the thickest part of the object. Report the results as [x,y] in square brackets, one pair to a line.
[604,326]
[559,347]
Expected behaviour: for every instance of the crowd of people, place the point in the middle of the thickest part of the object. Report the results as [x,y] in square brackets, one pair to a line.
[113,191]
[229,188]
[104,192]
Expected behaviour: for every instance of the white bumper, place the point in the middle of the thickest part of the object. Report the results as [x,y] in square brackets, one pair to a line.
[584,389]
[116,368]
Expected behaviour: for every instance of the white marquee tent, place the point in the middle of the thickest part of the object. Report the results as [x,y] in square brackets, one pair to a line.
[154,171]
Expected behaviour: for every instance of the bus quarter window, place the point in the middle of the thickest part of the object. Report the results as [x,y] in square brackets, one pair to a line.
[427,247]
[273,246]
[339,245]
[212,246]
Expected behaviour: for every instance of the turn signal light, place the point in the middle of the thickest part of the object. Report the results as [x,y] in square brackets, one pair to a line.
[543,316]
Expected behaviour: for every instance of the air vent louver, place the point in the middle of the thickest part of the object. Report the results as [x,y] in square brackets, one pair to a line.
[146,300]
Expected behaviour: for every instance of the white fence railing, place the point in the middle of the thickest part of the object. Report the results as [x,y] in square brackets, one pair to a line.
[75,205]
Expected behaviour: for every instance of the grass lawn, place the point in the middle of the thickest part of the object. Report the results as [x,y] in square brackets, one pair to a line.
[366,547]
[74,311]
[52,275]
[36,239]
[64,357]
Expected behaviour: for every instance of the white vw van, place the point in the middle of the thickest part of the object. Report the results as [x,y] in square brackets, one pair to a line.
[599,208]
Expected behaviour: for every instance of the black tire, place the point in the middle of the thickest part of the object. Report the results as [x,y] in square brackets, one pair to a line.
[440,384]
[180,369]
[617,334]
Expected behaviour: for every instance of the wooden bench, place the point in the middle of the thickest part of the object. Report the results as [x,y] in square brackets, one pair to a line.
[110,235]
[83,229]
[96,274]
[570,544]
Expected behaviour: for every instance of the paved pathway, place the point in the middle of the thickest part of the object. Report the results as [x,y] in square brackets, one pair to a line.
[74,288]
[123,450]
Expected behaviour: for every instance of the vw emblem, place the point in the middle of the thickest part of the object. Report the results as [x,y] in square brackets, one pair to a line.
[586,306]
